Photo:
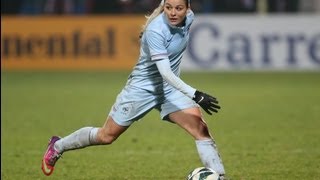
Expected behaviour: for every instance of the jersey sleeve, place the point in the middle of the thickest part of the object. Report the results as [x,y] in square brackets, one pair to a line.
[167,74]
[156,44]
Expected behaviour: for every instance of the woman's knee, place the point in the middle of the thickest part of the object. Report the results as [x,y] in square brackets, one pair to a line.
[191,120]
[110,131]
[202,130]
[105,138]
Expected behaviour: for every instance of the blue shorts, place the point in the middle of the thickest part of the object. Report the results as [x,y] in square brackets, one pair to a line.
[133,103]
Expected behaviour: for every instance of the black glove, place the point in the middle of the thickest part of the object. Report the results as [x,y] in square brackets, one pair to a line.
[207,102]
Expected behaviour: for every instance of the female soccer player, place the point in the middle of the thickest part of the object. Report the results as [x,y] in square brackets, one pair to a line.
[153,83]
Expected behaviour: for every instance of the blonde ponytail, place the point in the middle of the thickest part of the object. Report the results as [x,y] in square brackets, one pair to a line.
[154,14]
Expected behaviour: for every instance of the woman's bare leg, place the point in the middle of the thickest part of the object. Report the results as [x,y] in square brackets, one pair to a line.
[191,120]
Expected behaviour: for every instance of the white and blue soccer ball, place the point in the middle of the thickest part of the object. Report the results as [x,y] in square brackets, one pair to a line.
[203,173]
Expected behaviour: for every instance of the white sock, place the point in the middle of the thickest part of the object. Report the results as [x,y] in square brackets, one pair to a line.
[79,139]
[209,155]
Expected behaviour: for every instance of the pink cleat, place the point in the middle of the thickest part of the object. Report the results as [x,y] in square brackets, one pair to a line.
[50,157]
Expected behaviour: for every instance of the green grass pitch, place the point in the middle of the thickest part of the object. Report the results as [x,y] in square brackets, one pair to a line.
[268,127]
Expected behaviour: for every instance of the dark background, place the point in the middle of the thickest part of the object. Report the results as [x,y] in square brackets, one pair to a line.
[80,7]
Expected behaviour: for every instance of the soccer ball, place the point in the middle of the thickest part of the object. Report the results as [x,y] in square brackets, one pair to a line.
[203,173]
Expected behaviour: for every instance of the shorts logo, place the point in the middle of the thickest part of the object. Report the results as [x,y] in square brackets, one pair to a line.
[126,109]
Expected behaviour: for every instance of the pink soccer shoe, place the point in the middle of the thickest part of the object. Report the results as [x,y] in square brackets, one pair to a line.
[50,157]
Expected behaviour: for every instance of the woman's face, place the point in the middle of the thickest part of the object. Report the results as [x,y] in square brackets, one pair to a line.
[176,11]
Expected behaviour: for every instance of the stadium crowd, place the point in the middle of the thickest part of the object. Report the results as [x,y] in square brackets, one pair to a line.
[81,7]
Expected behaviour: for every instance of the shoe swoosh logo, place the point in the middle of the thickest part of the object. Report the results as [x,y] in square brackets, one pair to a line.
[45,168]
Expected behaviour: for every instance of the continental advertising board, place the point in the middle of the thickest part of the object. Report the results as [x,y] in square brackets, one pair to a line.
[70,42]
[217,42]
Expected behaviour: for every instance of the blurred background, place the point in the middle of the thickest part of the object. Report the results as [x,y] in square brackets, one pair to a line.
[96,34]
[87,7]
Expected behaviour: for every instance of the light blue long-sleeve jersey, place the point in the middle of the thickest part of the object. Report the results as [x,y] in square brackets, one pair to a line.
[162,47]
